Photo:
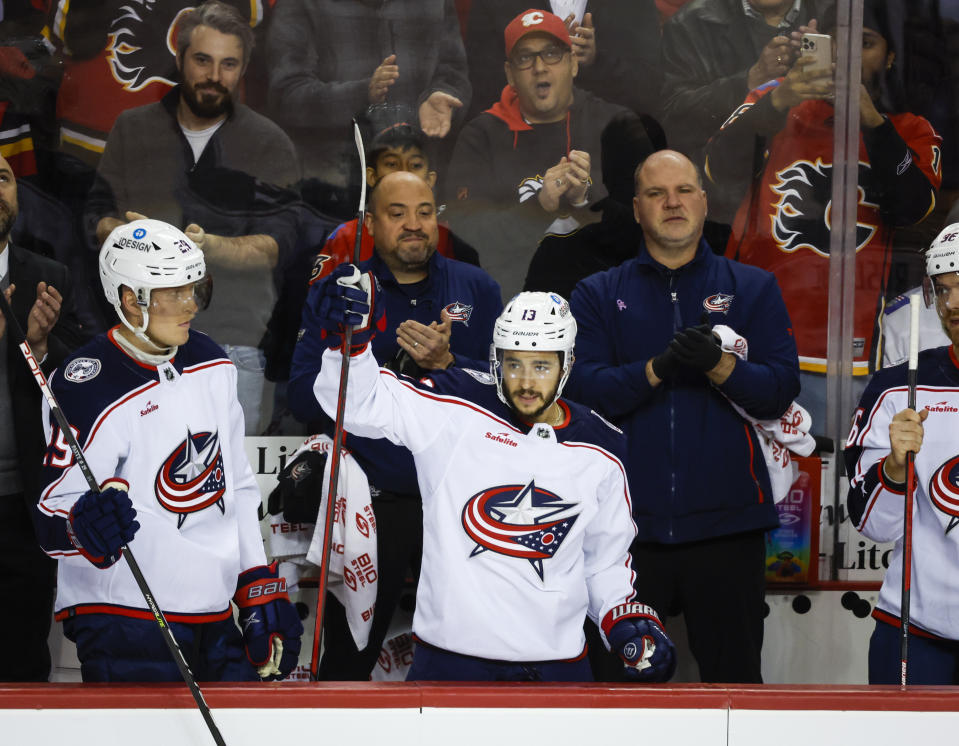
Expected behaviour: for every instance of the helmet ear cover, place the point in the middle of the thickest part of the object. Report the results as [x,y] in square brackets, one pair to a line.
[533,321]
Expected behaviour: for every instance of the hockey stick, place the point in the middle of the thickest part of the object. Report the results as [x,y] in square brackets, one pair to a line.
[910,491]
[337,430]
[81,460]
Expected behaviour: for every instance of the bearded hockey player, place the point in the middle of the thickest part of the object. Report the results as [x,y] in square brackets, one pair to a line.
[153,407]
[526,509]
[884,430]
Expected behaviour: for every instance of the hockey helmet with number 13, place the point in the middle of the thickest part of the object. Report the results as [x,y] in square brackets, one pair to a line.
[942,257]
[147,255]
[533,322]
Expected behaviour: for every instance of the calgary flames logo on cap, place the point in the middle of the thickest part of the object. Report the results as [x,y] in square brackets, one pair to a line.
[192,478]
[518,520]
[532,19]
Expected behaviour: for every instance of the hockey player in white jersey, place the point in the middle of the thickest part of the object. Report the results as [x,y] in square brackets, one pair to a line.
[153,406]
[884,430]
[526,509]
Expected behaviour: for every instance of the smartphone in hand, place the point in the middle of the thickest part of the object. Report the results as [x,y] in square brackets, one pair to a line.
[819,47]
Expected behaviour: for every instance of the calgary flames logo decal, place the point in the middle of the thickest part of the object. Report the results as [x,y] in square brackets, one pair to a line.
[944,490]
[142,46]
[192,477]
[518,520]
[802,217]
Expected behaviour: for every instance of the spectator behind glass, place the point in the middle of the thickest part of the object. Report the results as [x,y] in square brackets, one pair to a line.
[783,223]
[612,40]
[329,60]
[647,361]
[200,160]
[116,55]
[561,261]
[396,145]
[39,292]
[525,163]
[714,53]
[439,313]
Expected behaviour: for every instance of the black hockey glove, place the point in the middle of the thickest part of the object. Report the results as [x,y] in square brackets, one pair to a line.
[348,297]
[636,634]
[100,523]
[697,348]
[271,627]
[298,489]
[666,364]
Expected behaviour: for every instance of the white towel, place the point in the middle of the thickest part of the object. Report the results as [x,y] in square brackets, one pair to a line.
[353,569]
[777,438]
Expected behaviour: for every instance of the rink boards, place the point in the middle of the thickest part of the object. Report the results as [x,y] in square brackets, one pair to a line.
[467,715]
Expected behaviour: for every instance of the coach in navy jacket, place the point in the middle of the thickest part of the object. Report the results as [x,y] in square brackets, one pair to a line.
[700,489]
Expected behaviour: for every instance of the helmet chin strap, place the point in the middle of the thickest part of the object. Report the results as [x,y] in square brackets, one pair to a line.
[156,353]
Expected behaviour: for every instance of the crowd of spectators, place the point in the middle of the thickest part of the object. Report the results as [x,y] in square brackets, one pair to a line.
[527,120]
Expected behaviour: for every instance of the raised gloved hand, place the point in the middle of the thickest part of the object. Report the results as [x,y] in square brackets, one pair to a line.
[695,347]
[636,634]
[348,297]
[271,627]
[100,523]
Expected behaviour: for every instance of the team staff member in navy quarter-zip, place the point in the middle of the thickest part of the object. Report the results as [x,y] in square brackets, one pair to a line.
[647,360]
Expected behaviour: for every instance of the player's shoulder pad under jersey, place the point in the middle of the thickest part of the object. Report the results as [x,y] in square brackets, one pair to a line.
[482,376]
[199,348]
[93,377]
[585,426]
[606,422]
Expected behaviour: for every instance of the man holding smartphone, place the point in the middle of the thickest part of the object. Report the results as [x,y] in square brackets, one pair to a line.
[714,53]
[784,221]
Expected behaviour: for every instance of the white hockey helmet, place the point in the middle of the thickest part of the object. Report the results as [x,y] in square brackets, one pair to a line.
[146,255]
[942,257]
[531,322]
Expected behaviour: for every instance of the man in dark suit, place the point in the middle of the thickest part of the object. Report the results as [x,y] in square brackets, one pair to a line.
[39,293]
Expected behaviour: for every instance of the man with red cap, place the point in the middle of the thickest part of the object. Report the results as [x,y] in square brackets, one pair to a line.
[525,162]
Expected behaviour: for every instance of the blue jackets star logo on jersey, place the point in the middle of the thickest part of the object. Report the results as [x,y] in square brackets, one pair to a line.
[459,312]
[514,520]
[192,478]
[944,490]
[718,303]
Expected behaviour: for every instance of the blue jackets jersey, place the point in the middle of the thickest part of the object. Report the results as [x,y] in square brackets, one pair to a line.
[471,297]
[174,433]
[526,530]
[876,505]
[695,468]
